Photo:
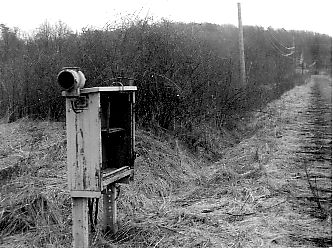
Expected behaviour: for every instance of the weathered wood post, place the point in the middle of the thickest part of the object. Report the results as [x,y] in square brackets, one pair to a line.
[100,128]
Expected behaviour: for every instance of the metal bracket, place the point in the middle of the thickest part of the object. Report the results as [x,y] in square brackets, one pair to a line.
[119,84]
[79,104]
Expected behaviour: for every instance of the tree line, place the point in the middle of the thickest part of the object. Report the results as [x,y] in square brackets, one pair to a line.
[186,73]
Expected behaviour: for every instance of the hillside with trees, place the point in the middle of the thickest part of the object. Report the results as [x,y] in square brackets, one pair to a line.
[187,74]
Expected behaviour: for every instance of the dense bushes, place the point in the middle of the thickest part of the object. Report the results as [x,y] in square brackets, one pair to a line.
[185,73]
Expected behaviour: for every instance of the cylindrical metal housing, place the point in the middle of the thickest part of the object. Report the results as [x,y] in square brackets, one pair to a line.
[71,78]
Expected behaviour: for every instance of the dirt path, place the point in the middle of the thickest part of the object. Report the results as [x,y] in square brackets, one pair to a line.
[272,190]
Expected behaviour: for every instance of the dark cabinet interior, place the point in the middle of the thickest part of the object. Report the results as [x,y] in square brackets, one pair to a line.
[117,122]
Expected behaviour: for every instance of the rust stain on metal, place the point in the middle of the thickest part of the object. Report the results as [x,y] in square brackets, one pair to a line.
[84,179]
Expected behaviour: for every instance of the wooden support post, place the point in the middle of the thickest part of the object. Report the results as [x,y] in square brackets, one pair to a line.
[80,222]
[110,209]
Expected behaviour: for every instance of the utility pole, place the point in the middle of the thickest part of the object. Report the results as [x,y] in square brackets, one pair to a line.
[241,47]
[295,58]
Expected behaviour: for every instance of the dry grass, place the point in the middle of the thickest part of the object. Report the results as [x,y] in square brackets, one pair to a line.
[35,203]
[34,206]
[249,198]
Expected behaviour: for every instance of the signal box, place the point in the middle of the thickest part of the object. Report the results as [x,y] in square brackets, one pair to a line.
[100,138]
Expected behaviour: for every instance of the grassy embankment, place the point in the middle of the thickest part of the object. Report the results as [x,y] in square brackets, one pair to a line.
[177,198]
[35,203]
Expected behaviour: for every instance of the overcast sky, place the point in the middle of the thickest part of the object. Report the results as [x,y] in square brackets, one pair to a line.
[310,15]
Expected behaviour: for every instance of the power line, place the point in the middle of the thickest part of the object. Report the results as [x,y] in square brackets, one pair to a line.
[278,49]
[273,40]
[282,53]
[279,42]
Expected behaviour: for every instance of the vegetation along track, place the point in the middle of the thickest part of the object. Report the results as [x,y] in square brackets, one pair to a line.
[271,190]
